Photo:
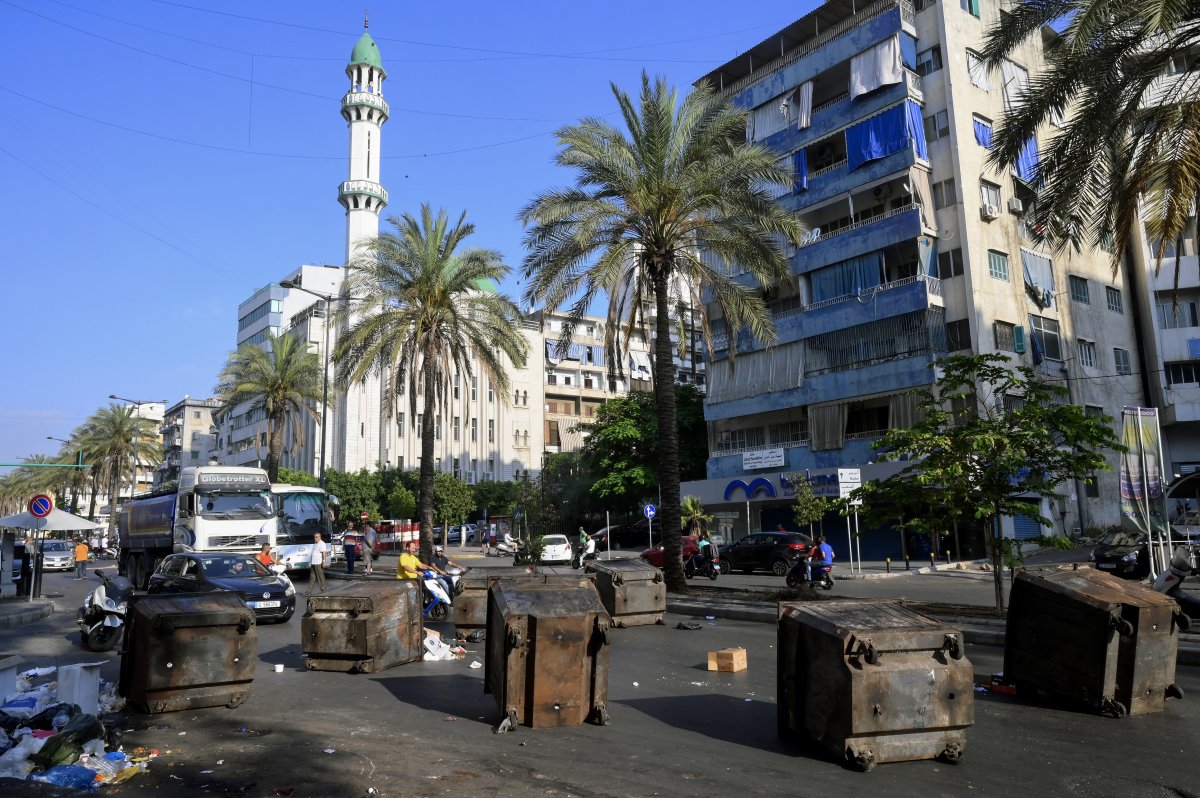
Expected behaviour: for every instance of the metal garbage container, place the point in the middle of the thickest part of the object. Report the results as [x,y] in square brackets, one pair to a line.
[1090,637]
[187,650]
[363,627]
[873,681]
[546,656]
[470,606]
[633,591]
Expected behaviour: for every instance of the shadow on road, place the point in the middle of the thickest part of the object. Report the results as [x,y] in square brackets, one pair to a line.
[453,694]
[749,723]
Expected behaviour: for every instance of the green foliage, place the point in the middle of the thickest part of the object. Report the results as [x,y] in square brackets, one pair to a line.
[565,496]
[356,492]
[693,517]
[536,546]
[495,498]
[292,476]
[528,502]
[808,509]
[401,503]
[453,500]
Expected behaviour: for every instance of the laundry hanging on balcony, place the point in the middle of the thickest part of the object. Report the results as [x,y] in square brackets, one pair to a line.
[983,133]
[552,353]
[872,69]
[1027,161]
[1039,278]
[800,170]
[848,278]
[886,133]
[802,105]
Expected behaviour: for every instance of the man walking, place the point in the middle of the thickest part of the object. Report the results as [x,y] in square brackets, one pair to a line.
[81,558]
[349,547]
[370,539]
[317,563]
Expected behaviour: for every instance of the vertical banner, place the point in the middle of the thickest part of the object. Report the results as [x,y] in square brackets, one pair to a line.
[1143,502]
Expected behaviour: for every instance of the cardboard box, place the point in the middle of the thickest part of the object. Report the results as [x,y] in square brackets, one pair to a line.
[728,660]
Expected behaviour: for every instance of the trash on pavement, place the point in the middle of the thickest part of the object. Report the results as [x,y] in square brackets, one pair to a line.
[436,649]
[689,625]
[476,664]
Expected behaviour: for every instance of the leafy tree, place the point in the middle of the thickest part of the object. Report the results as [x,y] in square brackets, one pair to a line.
[808,508]
[281,379]
[495,498]
[565,491]
[991,433]
[401,503]
[680,178]
[695,520]
[292,476]
[528,502]
[357,493]
[1129,148]
[428,311]
[453,501]
[117,436]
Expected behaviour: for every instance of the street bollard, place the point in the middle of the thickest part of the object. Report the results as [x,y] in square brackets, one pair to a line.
[947,556]
[888,562]
[932,560]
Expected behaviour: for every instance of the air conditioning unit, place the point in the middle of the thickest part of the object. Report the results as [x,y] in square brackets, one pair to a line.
[989,212]
[1016,206]
[879,192]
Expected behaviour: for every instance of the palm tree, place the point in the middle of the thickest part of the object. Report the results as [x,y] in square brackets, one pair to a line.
[426,312]
[1132,129]
[281,379]
[647,201]
[693,517]
[117,436]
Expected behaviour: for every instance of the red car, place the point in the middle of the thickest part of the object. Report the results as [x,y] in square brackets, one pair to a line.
[654,556]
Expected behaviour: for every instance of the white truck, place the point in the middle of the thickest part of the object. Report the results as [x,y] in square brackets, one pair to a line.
[214,508]
[303,511]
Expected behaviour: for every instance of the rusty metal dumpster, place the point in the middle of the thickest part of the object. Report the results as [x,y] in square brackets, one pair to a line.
[1090,637]
[363,627]
[873,682]
[188,650]
[470,606]
[633,591]
[546,657]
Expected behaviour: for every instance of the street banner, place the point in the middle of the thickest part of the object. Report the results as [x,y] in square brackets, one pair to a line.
[1143,502]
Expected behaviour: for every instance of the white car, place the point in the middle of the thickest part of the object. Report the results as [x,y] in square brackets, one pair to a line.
[556,549]
[57,555]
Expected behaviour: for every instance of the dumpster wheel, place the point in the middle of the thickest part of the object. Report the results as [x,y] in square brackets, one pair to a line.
[1113,707]
[952,754]
[600,715]
[1174,691]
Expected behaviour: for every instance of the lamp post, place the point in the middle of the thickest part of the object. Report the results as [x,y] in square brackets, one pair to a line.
[326,299]
[78,471]
[137,405]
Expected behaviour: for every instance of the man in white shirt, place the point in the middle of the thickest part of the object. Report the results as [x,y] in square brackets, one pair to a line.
[317,562]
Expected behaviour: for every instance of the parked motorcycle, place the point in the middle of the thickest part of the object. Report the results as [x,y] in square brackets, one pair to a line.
[102,616]
[1185,561]
[822,575]
[437,601]
[699,565]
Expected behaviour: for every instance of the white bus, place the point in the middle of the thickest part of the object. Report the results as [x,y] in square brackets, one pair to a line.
[302,512]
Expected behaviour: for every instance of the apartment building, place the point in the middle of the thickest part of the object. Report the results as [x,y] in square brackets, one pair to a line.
[189,436]
[914,250]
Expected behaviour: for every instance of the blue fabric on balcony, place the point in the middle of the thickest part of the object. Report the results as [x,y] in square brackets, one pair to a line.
[847,278]
[1027,161]
[983,134]
[597,356]
[800,167]
[886,133]
[916,129]
[1039,353]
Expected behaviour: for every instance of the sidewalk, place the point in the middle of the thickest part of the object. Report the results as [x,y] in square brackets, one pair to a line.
[18,612]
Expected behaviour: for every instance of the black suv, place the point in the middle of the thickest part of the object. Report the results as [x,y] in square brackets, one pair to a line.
[1123,553]
[765,551]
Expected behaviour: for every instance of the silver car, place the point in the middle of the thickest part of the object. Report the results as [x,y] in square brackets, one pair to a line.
[57,555]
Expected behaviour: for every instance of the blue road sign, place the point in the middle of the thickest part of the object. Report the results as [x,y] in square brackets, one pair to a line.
[41,505]
[648,511]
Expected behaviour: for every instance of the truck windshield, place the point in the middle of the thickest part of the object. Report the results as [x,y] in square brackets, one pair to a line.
[303,514]
[234,505]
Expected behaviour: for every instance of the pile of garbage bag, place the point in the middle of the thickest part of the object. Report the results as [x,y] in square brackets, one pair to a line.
[43,739]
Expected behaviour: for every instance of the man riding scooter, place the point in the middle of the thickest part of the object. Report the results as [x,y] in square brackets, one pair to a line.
[821,558]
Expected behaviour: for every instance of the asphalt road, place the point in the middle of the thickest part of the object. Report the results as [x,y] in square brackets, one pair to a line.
[676,730]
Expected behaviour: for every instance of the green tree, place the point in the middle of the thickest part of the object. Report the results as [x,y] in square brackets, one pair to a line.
[694,519]
[808,508]
[401,503]
[357,493]
[453,501]
[991,433]
[291,476]
[1126,146]
[282,380]
[117,436]
[428,312]
[495,498]
[565,496]
[679,179]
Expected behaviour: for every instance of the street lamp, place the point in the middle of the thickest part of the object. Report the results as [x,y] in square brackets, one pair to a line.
[137,405]
[326,299]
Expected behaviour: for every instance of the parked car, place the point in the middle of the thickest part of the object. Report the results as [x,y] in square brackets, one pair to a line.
[764,551]
[654,556]
[271,596]
[1125,554]
[631,536]
[57,555]
[556,549]
[454,536]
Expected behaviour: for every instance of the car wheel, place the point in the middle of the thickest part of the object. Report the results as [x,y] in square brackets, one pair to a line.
[726,568]
[779,567]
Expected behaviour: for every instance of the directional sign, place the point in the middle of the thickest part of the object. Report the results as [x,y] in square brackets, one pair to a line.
[41,505]
[648,511]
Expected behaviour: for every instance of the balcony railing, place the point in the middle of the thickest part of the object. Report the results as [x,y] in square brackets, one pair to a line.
[760,447]
[932,284]
[833,167]
[856,226]
[859,436]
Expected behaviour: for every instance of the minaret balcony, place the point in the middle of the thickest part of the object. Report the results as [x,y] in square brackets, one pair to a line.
[355,101]
[362,195]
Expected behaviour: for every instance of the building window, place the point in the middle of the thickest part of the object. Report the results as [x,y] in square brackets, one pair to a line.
[970,6]
[456,433]
[400,425]
[552,436]
[1114,299]
[474,388]
[1006,337]
[420,423]
[921,5]
[1046,332]
[929,61]
[1184,373]
[1091,488]
[1079,289]
[1121,361]
[1011,402]
[491,430]
[950,263]
[567,380]
[1087,353]
[978,71]
[195,455]
[944,193]
[491,393]
[437,428]
[998,265]
[937,126]
[457,379]
[474,430]
[1174,316]
[958,335]
[989,193]
[552,379]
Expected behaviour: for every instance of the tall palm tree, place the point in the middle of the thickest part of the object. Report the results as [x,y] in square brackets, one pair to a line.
[1132,125]
[282,379]
[428,311]
[693,517]
[678,180]
[118,437]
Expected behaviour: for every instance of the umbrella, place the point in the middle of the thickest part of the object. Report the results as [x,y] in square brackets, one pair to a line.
[58,520]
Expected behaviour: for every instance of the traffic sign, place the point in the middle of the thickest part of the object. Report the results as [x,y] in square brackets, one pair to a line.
[41,505]
[648,511]
[363,516]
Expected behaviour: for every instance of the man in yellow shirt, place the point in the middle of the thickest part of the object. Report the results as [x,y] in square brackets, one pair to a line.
[410,564]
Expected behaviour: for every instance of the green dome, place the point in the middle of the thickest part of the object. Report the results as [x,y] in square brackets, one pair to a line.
[365,52]
[486,285]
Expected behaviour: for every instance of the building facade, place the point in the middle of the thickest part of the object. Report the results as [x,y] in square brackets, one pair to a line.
[914,250]
[189,436]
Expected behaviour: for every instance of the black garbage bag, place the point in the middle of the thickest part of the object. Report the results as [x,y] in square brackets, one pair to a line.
[64,748]
[43,720]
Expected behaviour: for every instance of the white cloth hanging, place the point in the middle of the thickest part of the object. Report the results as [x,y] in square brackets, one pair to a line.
[802,102]
[879,66]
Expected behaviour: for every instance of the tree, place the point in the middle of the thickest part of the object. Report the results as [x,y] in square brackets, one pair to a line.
[357,493]
[118,437]
[565,494]
[428,311]
[291,476]
[678,180]
[495,498]
[990,434]
[453,501]
[401,503]
[808,508]
[694,519]
[281,379]
[1129,149]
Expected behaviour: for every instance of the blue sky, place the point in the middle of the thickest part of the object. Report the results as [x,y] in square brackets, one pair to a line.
[161,159]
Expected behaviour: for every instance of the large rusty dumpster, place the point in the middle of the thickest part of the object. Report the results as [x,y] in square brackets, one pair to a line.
[188,650]
[363,627]
[633,591]
[873,682]
[470,606]
[1090,637]
[546,660]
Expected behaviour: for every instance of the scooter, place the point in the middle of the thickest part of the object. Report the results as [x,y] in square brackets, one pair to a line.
[797,575]
[1185,561]
[699,565]
[102,616]
[437,602]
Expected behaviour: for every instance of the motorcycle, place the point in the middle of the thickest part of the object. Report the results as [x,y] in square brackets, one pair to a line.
[102,616]
[1185,561]
[797,575]
[699,565]
[437,601]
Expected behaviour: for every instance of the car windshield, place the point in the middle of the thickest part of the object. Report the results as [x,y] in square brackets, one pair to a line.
[1122,538]
[55,545]
[555,540]
[233,565]
[234,505]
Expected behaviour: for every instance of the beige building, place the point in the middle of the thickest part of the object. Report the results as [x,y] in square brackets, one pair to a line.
[189,436]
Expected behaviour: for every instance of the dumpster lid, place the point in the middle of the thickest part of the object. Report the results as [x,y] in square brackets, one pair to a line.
[622,566]
[1094,587]
[552,598]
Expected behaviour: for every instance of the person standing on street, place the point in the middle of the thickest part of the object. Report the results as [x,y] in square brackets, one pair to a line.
[370,539]
[317,563]
[350,546]
[81,558]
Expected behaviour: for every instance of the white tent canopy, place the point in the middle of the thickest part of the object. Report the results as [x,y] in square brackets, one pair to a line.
[57,521]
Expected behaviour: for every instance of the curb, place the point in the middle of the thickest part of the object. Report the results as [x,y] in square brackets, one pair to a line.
[32,612]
